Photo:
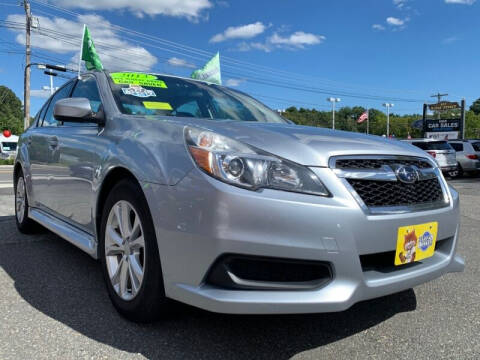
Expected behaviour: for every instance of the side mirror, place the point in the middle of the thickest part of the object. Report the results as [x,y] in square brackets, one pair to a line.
[76,110]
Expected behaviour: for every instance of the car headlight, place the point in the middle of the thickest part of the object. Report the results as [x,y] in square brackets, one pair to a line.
[242,165]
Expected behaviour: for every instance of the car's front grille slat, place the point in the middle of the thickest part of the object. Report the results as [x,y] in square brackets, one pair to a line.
[395,193]
[378,163]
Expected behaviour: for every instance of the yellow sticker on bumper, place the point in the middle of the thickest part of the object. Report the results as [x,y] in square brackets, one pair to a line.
[137,79]
[156,105]
[415,242]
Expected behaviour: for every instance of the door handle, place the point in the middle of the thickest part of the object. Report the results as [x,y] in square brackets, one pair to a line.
[53,142]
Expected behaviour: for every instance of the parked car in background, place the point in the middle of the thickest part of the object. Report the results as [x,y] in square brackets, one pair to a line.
[441,151]
[8,146]
[191,191]
[468,155]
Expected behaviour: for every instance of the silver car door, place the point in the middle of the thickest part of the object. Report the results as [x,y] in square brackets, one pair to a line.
[74,163]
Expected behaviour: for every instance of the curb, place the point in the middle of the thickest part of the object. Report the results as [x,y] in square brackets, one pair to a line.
[6,167]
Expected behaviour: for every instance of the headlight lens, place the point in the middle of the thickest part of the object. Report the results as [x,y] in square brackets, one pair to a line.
[241,165]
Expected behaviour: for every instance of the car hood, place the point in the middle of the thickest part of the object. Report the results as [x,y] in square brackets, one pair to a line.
[307,145]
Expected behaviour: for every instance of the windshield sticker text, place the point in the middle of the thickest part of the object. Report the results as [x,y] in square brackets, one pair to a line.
[138,91]
[138,79]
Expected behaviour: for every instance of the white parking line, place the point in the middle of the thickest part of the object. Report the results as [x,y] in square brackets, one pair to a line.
[5,186]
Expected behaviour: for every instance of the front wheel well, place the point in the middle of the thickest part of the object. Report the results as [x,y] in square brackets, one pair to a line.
[113,177]
[16,171]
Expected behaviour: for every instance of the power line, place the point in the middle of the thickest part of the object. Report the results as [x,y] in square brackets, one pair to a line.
[258,80]
[206,54]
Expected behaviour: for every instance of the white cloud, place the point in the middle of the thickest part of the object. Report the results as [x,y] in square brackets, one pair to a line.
[115,53]
[234,82]
[400,4]
[462,2]
[240,32]
[395,21]
[378,27]
[450,40]
[298,39]
[191,9]
[174,61]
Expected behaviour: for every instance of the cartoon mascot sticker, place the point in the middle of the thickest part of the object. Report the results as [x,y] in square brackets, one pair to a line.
[409,245]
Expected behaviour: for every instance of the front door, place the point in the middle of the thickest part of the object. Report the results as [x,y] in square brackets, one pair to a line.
[74,163]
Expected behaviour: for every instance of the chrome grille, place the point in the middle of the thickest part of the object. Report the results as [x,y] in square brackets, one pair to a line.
[374,184]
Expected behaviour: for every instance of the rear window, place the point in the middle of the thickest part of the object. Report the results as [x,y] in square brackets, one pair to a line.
[476,146]
[433,145]
[457,146]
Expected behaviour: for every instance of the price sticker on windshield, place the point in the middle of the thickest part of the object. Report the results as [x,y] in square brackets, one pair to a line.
[137,79]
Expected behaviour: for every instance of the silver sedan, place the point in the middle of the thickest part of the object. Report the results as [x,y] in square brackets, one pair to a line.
[191,191]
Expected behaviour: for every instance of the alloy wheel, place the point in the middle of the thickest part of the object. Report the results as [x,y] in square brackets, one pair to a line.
[125,250]
[20,200]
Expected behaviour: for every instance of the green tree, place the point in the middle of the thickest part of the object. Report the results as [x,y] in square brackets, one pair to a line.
[11,115]
[475,107]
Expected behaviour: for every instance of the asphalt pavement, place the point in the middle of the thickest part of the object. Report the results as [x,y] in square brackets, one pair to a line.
[53,304]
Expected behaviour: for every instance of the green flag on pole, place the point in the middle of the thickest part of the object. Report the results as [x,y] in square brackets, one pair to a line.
[210,72]
[89,54]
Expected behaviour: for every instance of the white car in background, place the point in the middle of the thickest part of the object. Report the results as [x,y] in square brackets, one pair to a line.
[440,150]
[8,146]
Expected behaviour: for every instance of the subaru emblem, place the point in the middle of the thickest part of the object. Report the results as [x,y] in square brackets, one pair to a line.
[407,174]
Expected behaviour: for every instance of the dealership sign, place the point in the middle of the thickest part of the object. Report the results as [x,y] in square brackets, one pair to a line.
[437,125]
[444,105]
[443,128]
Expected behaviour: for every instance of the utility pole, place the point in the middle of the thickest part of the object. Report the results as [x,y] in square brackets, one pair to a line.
[26,87]
[438,96]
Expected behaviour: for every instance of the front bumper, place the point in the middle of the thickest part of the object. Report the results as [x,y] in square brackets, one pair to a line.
[200,219]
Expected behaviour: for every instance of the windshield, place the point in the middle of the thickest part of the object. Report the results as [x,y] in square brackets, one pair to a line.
[149,94]
[9,146]
[433,145]
[476,146]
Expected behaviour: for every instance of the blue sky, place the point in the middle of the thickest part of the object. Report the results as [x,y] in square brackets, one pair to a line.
[364,52]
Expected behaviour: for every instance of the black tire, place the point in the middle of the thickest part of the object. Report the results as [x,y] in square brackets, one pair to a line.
[26,225]
[150,303]
[460,172]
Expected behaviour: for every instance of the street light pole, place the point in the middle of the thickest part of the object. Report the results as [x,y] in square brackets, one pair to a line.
[388,106]
[333,101]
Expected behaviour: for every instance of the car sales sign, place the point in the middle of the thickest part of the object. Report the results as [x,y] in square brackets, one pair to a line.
[443,128]
[437,125]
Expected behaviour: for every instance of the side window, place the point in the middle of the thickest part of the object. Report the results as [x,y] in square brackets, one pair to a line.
[63,93]
[87,88]
[457,146]
[190,109]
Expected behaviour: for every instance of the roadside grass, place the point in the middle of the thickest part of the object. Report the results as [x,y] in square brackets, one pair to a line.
[7,161]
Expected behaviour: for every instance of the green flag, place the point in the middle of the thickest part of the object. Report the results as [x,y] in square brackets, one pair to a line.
[210,72]
[89,54]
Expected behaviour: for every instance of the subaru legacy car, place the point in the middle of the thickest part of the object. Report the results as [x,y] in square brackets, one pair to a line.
[191,191]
